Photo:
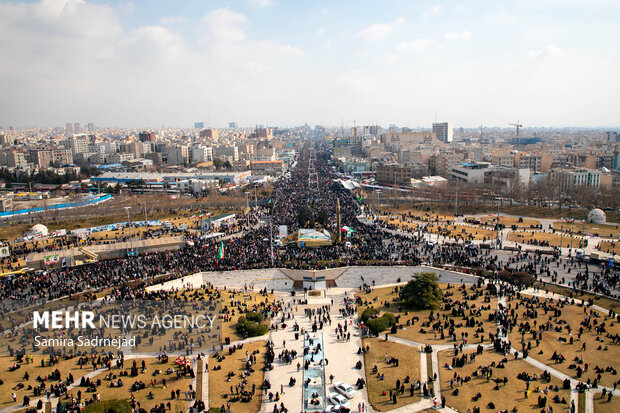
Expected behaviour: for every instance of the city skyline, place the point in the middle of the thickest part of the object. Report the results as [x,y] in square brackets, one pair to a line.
[142,64]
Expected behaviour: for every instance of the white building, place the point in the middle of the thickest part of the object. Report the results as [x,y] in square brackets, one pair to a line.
[78,144]
[201,154]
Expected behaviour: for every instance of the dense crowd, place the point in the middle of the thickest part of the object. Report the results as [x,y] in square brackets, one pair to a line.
[369,244]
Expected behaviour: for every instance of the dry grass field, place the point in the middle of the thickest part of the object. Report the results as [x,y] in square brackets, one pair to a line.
[420,331]
[462,232]
[161,393]
[612,247]
[234,303]
[602,405]
[507,221]
[504,397]
[553,239]
[400,224]
[599,350]
[420,215]
[602,230]
[408,366]
[607,303]
[221,381]
[14,379]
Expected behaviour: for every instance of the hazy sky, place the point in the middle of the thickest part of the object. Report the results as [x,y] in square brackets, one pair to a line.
[164,62]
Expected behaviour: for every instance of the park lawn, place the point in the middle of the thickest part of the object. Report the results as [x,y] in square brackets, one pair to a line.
[507,221]
[408,365]
[161,394]
[420,215]
[219,386]
[12,379]
[572,315]
[380,296]
[406,226]
[462,231]
[601,405]
[607,303]
[553,239]
[612,247]
[507,397]
[602,230]
[234,300]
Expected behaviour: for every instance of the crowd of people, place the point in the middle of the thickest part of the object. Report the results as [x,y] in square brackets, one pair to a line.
[371,243]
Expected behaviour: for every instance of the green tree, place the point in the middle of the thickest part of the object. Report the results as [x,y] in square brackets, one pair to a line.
[218,163]
[322,217]
[423,292]
[305,217]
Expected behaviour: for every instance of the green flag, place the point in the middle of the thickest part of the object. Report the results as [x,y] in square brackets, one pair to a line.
[220,251]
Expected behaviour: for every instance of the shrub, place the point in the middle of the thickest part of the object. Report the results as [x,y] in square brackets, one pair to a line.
[254,316]
[250,328]
[390,319]
[377,325]
[369,313]
[108,406]
[523,278]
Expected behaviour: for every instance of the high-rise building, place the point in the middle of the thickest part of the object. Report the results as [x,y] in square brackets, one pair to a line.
[177,155]
[91,127]
[209,134]
[76,127]
[62,157]
[199,125]
[78,144]
[69,128]
[232,125]
[444,131]
[41,158]
[7,140]
[201,154]
[13,159]
[230,153]
[147,137]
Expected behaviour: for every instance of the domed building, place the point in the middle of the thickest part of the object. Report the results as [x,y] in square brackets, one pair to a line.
[38,230]
[597,216]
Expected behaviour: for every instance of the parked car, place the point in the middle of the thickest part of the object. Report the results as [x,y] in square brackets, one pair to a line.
[338,399]
[345,389]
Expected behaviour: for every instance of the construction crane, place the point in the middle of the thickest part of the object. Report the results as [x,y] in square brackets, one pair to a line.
[517,125]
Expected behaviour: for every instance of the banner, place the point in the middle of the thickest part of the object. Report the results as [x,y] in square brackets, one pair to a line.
[283,231]
[59,233]
[51,259]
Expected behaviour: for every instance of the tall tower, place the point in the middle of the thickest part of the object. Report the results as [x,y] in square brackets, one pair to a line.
[338,219]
